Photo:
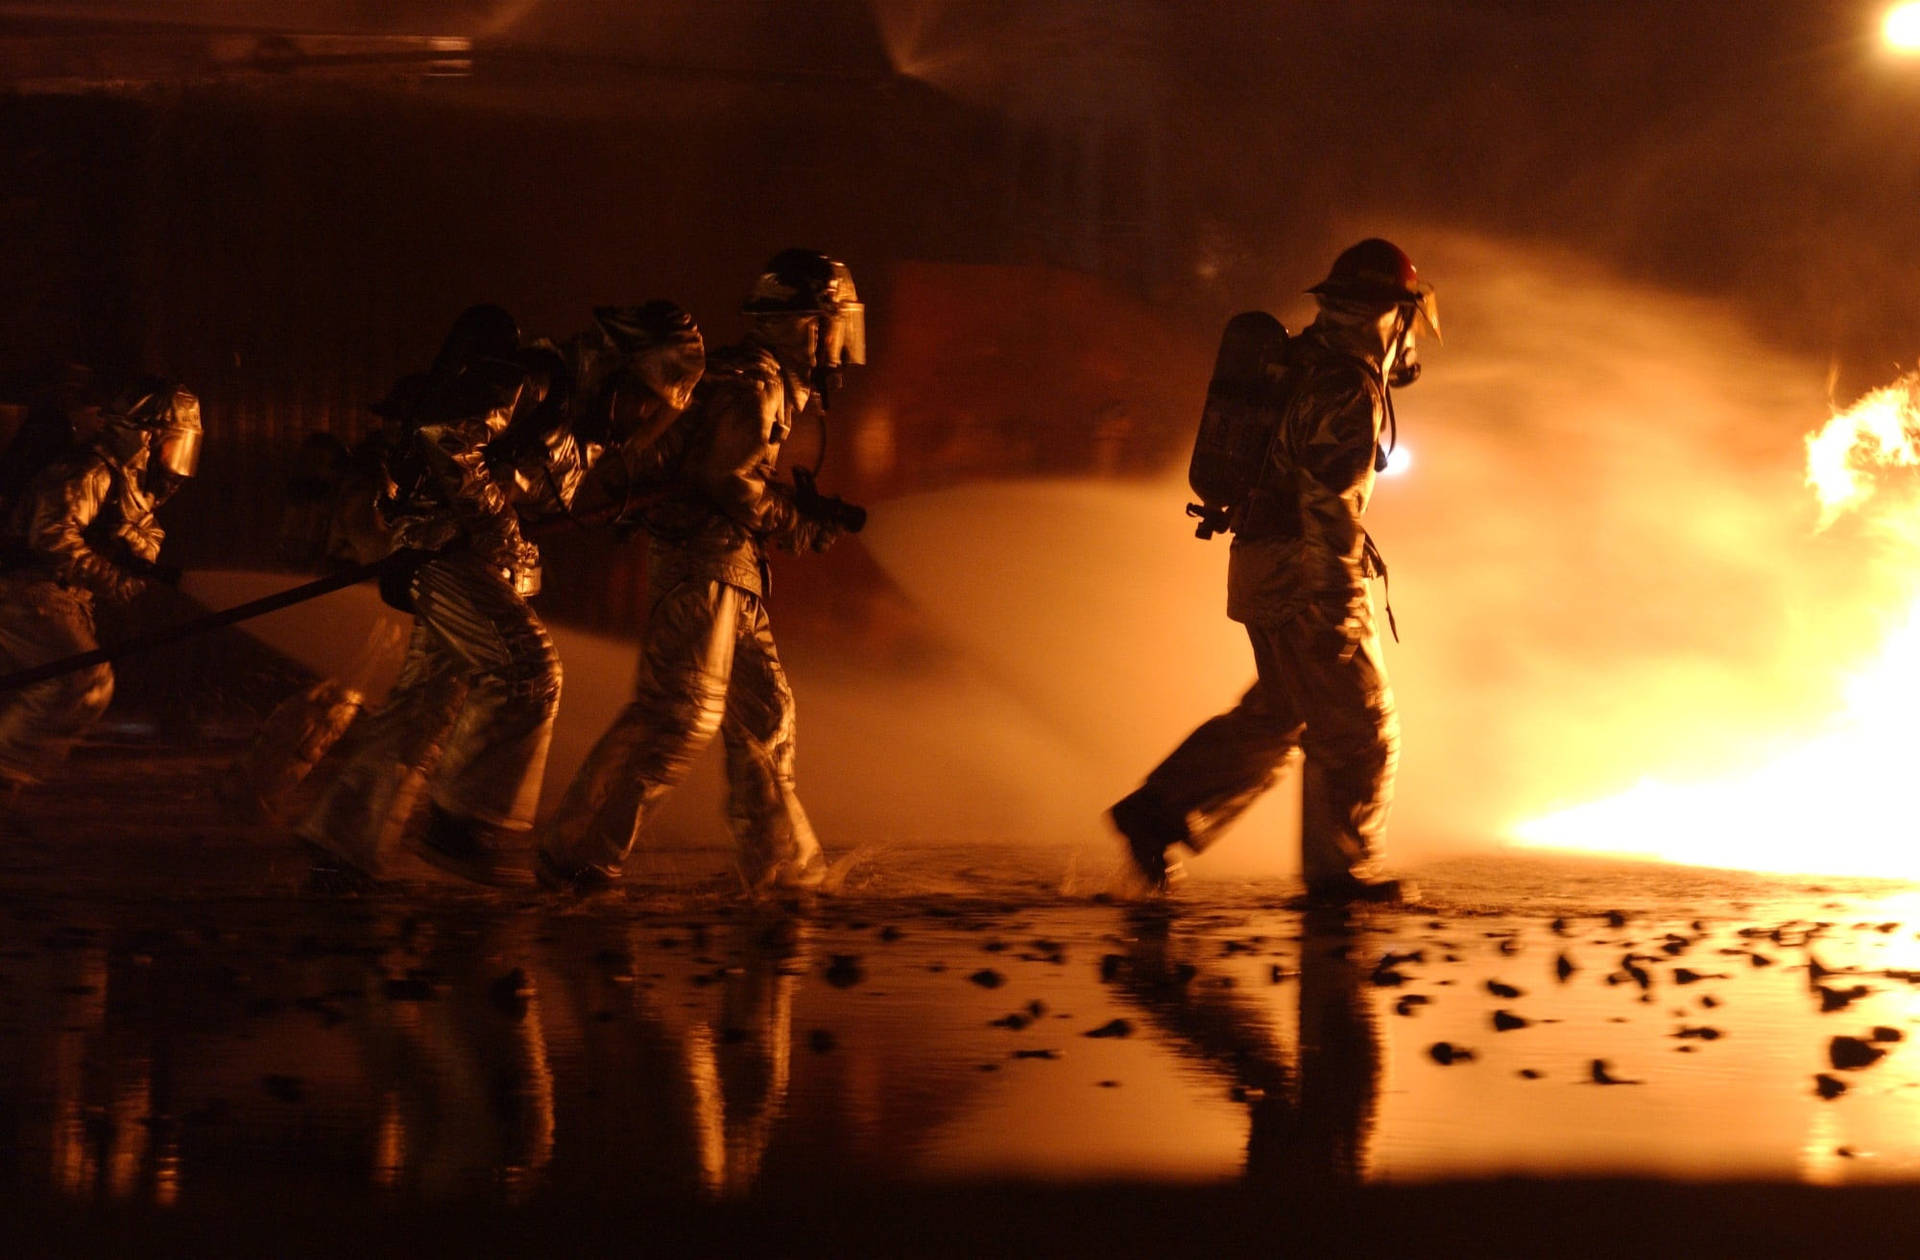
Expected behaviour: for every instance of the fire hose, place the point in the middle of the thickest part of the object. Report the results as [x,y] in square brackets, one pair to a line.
[241,612]
[192,628]
[833,508]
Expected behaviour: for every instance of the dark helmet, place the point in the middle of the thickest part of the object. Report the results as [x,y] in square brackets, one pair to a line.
[168,415]
[801,280]
[483,331]
[631,329]
[662,345]
[806,281]
[1379,272]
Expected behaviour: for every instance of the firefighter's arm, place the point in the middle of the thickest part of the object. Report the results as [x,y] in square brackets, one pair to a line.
[455,455]
[1339,425]
[547,479]
[793,527]
[730,469]
[733,470]
[623,483]
[63,508]
[737,474]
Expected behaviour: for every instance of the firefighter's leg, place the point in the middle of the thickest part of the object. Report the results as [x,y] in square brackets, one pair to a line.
[41,622]
[1352,745]
[680,692]
[775,841]
[373,775]
[496,754]
[1225,765]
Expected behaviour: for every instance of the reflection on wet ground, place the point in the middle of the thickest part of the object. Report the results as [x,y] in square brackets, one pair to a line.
[180,1026]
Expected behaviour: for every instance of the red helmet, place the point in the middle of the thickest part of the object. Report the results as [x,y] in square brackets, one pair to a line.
[1377,270]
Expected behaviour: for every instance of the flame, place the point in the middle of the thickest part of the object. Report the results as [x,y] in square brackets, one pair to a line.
[1832,802]
[1876,433]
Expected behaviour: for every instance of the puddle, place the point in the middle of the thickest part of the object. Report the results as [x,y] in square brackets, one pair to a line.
[180,1026]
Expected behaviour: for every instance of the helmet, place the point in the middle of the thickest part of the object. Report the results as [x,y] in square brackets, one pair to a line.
[483,331]
[168,415]
[1378,271]
[806,282]
[662,345]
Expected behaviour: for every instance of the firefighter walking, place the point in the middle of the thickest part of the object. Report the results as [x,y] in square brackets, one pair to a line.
[471,716]
[708,662]
[1298,580]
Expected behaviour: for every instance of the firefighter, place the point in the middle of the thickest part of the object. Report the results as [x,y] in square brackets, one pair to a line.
[493,435]
[708,661]
[1298,580]
[471,716]
[83,529]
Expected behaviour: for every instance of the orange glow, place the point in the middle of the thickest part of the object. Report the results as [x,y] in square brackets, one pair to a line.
[1902,27]
[1832,801]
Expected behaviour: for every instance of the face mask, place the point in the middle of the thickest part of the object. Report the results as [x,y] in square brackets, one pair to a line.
[1406,362]
[845,334]
[161,484]
[842,340]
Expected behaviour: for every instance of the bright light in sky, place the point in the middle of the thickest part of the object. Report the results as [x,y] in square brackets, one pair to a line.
[1902,27]
[1398,462]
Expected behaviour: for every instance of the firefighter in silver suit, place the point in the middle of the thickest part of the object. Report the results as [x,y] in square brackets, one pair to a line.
[1298,580]
[708,662]
[471,716]
[83,530]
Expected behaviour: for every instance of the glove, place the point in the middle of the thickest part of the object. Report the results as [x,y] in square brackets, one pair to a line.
[828,509]
[396,576]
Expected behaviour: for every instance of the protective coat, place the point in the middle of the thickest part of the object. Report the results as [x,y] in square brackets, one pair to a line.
[471,717]
[708,661]
[1298,580]
[81,531]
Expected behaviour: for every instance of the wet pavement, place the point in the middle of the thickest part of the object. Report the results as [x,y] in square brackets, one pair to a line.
[183,1031]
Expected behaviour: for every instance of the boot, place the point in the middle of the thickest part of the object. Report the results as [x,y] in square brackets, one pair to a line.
[477,852]
[1149,833]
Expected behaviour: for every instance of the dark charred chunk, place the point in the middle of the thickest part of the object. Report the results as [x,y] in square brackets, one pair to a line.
[844,971]
[1850,1054]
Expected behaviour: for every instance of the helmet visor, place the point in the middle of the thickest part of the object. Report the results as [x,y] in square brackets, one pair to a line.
[846,334]
[1428,307]
[177,451]
[176,447]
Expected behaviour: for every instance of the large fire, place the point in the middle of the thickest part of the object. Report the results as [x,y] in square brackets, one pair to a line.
[1833,802]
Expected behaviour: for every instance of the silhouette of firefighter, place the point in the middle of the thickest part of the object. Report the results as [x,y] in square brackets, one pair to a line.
[1287,462]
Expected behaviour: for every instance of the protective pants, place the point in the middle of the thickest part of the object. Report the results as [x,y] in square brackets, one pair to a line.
[1322,689]
[707,663]
[42,621]
[472,714]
